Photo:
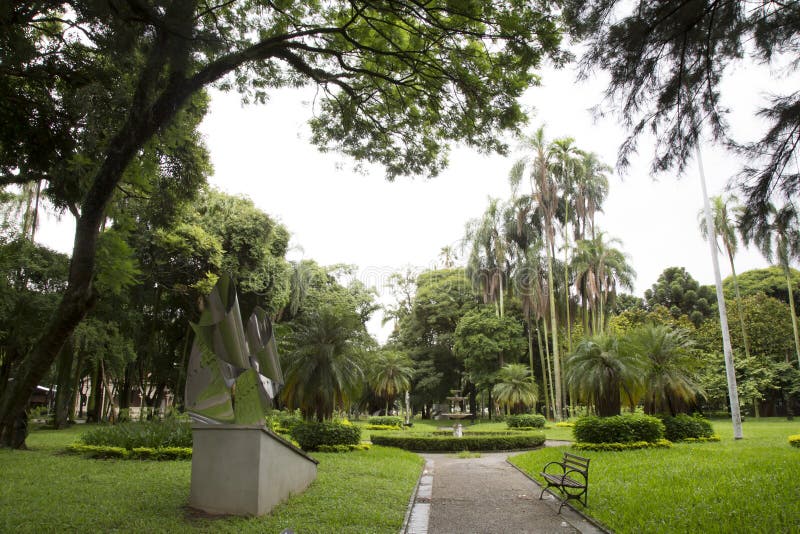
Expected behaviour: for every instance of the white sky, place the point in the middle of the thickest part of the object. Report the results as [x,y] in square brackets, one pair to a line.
[340,216]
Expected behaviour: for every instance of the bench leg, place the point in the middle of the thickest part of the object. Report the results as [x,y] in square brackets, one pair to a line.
[541,495]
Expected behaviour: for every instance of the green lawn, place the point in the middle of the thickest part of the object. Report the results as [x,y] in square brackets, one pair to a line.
[750,485]
[45,491]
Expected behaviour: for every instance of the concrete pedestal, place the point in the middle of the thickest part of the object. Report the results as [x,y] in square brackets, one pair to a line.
[245,469]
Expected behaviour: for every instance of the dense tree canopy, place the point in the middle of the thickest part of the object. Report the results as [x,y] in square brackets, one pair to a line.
[87,88]
[770,281]
[681,294]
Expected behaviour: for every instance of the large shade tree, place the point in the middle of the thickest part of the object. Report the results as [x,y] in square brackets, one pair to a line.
[667,63]
[778,238]
[399,81]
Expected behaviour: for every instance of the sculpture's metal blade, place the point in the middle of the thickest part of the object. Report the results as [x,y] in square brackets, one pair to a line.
[250,400]
[262,345]
[207,393]
[233,377]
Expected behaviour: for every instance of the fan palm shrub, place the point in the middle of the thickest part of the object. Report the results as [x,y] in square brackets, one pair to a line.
[324,369]
[669,384]
[515,386]
[600,372]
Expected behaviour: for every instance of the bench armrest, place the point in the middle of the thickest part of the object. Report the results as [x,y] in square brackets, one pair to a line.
[559,464]
[583,474]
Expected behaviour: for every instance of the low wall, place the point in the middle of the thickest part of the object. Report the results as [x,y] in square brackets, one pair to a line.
[245,469]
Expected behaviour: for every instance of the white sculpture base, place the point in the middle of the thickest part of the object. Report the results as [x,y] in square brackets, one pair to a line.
[245,469]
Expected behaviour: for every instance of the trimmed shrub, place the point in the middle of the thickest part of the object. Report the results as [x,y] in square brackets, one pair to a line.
[794,440]
[282,421]
[153,434]
[713,437]
[526,420]
[137,453]
[659,444]
[344,448]
[98,451]
[682,427]
[565,424]
[618,429]
[388,420]
[381,427]
[510,432]
[311,435]
[484,442]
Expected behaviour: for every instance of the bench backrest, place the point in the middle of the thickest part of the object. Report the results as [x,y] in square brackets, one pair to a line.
[579,463]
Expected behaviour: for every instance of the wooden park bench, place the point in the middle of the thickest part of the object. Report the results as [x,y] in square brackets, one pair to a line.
[572,480]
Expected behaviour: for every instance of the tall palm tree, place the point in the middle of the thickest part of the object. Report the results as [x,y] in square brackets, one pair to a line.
[725,230]
[777,235]
[591,190]
[390,375]
[324,370]
[567,162]
[601,373]
[529,279]
[448,256]
[515,386]
[486,264]
[599,269]
[544,192]
[668,382]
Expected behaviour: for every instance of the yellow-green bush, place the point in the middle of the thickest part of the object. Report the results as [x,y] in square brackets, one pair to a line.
[659,444]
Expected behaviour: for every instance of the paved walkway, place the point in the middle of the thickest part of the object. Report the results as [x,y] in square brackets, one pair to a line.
[485,495]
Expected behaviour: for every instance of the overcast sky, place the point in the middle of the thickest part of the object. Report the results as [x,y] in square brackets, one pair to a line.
[337,215]
[340,216]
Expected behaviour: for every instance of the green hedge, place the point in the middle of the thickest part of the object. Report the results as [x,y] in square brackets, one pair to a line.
[526,420]
[683,427]
[485,442]
[711,438]
[660,444]
[388,420]
[618,429]
[344,448]
[512,432]
[312,435]
[153,434]
[381,427]
[794,440]
[137,453]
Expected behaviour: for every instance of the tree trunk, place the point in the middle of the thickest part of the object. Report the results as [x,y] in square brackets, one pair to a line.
[64,392]
[94,413]
[530,345]
[545,389]
[554,328]
[794,314]
[739,309]
[730,371]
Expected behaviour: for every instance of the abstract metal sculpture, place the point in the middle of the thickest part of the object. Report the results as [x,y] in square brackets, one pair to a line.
[234,375]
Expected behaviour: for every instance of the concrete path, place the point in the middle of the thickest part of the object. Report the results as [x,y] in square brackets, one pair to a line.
[485,495]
